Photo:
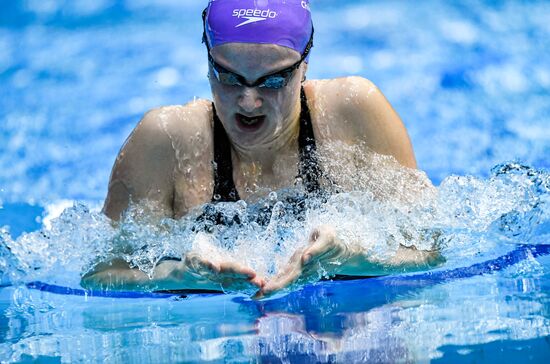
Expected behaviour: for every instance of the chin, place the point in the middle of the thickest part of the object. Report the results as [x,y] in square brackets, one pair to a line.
[263,137]
[249,139]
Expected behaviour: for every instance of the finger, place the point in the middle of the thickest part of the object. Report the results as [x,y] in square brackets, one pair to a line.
[287,276]
[284,280]
[241,285]
[236,270]
[322,231]
[237,284]
[318,250]
[258,281]
[322,240]
[200,265]
[258,295]
[327,246]
[272,287]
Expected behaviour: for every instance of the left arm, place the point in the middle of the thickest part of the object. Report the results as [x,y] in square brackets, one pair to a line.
[372,122]
[327,255]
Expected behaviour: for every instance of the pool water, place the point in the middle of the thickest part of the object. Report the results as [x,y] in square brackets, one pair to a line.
[471,81]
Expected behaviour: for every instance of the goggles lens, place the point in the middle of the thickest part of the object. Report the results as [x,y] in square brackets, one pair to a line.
[273,81]
[276,81]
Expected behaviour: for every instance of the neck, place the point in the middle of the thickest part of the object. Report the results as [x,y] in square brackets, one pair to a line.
[280,145]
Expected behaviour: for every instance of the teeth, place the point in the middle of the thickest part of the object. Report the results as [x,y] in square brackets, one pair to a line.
[249,121]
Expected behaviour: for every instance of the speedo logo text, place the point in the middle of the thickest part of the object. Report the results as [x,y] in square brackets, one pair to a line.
[253,15]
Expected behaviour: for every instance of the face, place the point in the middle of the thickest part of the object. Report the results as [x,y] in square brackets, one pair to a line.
[255,115]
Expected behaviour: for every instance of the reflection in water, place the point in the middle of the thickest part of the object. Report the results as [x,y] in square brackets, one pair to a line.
[372,320]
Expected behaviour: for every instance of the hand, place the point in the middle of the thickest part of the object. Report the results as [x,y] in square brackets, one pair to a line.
[193,272]
[231,276]
[323,255]
[115,275]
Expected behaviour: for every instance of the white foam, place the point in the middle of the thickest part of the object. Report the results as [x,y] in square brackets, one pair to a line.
[53,211]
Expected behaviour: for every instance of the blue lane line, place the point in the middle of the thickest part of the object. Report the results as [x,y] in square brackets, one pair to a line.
[422,279]
[52,288]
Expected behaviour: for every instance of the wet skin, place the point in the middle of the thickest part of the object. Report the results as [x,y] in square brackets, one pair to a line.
[167,161]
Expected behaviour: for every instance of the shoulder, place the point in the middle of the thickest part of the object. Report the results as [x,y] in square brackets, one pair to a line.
[164,129]
[341,86]
[162,136]
[345,96]
[356,111]
[179,121]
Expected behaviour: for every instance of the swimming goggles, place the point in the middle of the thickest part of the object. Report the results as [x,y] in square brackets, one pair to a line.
[275,80]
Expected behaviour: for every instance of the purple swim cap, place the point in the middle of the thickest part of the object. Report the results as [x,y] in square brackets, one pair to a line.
[283,22]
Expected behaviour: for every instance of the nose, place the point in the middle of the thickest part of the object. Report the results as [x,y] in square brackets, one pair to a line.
[250,99]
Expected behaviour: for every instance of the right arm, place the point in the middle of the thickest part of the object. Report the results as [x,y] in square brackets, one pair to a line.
[192,272]
[146,169]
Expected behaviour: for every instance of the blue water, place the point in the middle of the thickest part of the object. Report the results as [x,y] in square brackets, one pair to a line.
[471,81]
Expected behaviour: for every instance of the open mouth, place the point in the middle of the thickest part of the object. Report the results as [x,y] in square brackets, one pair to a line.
[250,123]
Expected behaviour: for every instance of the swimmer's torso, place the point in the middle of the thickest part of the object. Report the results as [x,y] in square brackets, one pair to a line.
[168,158]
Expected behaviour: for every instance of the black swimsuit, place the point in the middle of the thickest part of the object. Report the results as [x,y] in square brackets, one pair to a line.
[224,186]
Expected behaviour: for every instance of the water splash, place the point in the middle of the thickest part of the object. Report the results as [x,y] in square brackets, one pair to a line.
[386,206]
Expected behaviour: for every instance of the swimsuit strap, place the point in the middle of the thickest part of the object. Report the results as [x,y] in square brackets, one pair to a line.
[224,187]
[308,169]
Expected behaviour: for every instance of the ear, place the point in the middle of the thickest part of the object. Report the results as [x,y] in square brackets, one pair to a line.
[304,70]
